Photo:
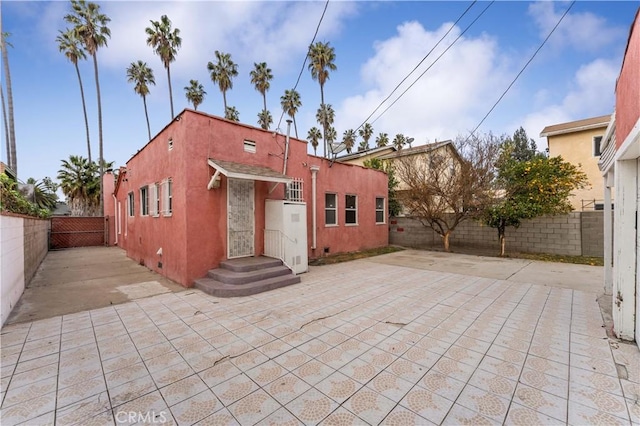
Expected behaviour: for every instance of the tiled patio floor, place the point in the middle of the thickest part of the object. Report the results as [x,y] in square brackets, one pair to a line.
[354,343]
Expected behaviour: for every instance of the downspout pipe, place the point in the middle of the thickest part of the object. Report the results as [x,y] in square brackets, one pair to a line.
[115,216]
[314,173]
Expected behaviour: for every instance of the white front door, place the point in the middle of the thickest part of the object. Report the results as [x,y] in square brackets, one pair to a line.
[240,218]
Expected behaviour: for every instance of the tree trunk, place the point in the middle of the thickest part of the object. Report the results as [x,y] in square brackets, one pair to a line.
[84,110]
[295,126]
[12,131]
[6,126]
[224,100]
[146,114]
[100,144]
[264,100]
[324,123]
[503,241]
[445,240]
[170,92]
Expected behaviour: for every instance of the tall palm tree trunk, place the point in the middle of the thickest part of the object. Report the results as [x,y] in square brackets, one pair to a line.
[324,123]
[6,126]
[224,99]
[146,114]
[84,109]
[264,101]
[101,160]
[12,131]
[295,126]
[170,94]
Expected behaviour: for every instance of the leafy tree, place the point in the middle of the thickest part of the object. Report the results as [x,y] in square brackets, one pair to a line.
[349,139]
[90,26]
[222,73]
[12,200]
[530,188]
[325,117]
[261,77]
[195,93]
[450,184]
[393,204]
[290,103]
[399,141]
[165,42]
[231,113]
[521,147]
[265,119]
[322,60]
[69,44]
[141,75]
[44,193]
[365,133]
[314,135]
[382,140]
[331,137]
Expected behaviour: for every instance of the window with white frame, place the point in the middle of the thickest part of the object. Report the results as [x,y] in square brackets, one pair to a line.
[167,197]
[249,146]
[380,216]
[597,140]
[295,190]
[144,201]
[350,209]
[130,204]
[330,209]
[154,200]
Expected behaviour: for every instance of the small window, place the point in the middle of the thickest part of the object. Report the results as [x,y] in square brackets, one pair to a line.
[350,209]
[380,210]
[130,204]
[167,197]
[249,146]
[144,201]
[170,144]
[597,140]
[330,209]
[295,191]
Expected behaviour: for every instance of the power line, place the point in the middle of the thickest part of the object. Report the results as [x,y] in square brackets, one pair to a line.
[523,68]
[434,62]
[419,63]
[306,56]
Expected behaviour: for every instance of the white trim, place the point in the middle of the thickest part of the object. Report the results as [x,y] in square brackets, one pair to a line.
[247,176]
[575,129]
[375,207]
[630,148]
[335,194]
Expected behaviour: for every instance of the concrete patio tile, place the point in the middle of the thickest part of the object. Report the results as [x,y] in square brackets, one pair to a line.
[486,403]
[543,402]
[598,400]
[370,406]
[545,382]
[311,407]
[195,408]
[253,408]
[234,389]
[340,417]
[338,387]
[460,414]
[131,390]
[427,404]
[287,388]
[84,411]
[79,391]
[580,415]
[28,409]
[521,415]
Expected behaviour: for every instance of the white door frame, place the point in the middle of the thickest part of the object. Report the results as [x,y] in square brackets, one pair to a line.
[230,252]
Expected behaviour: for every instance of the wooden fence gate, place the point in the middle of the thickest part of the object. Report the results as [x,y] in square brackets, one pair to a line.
[67,232]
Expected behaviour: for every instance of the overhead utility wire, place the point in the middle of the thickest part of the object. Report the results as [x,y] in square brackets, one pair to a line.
[306,56]
[419,63]
[434,62]
[522,70]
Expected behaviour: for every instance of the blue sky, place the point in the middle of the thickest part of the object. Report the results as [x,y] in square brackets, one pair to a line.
[376,43]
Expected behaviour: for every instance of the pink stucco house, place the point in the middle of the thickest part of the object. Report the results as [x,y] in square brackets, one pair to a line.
[206,190]
[620,166]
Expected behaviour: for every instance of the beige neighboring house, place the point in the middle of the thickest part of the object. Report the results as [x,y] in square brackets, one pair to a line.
[578,142]
[358,158]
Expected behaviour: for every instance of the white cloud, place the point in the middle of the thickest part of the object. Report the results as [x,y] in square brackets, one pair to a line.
[591,94]
[446,101]
[581,31]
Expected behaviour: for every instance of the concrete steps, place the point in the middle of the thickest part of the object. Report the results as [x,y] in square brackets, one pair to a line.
[246,276]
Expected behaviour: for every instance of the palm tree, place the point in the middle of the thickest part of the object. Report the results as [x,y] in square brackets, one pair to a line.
[382,139]
[231,113]
[195,93]
[349,139]
[165,43]
[11,142]
[6,126]
[260,78]
[325,116]
[265,119]
[79,184]
[321,61]
[331,137]
[399,141]
[222,74]
[69,44]
[365,133]
[43,196]
[290,103]
[140,74]
[363,146]
[91,29]
[314,135]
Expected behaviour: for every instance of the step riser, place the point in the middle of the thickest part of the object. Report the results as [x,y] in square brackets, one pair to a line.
[227,278]
[222,290]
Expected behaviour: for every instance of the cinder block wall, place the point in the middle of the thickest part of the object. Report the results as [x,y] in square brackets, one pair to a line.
[575,234]
[36,245]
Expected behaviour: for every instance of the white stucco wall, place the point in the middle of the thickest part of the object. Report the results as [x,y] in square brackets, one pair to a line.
[12,282]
